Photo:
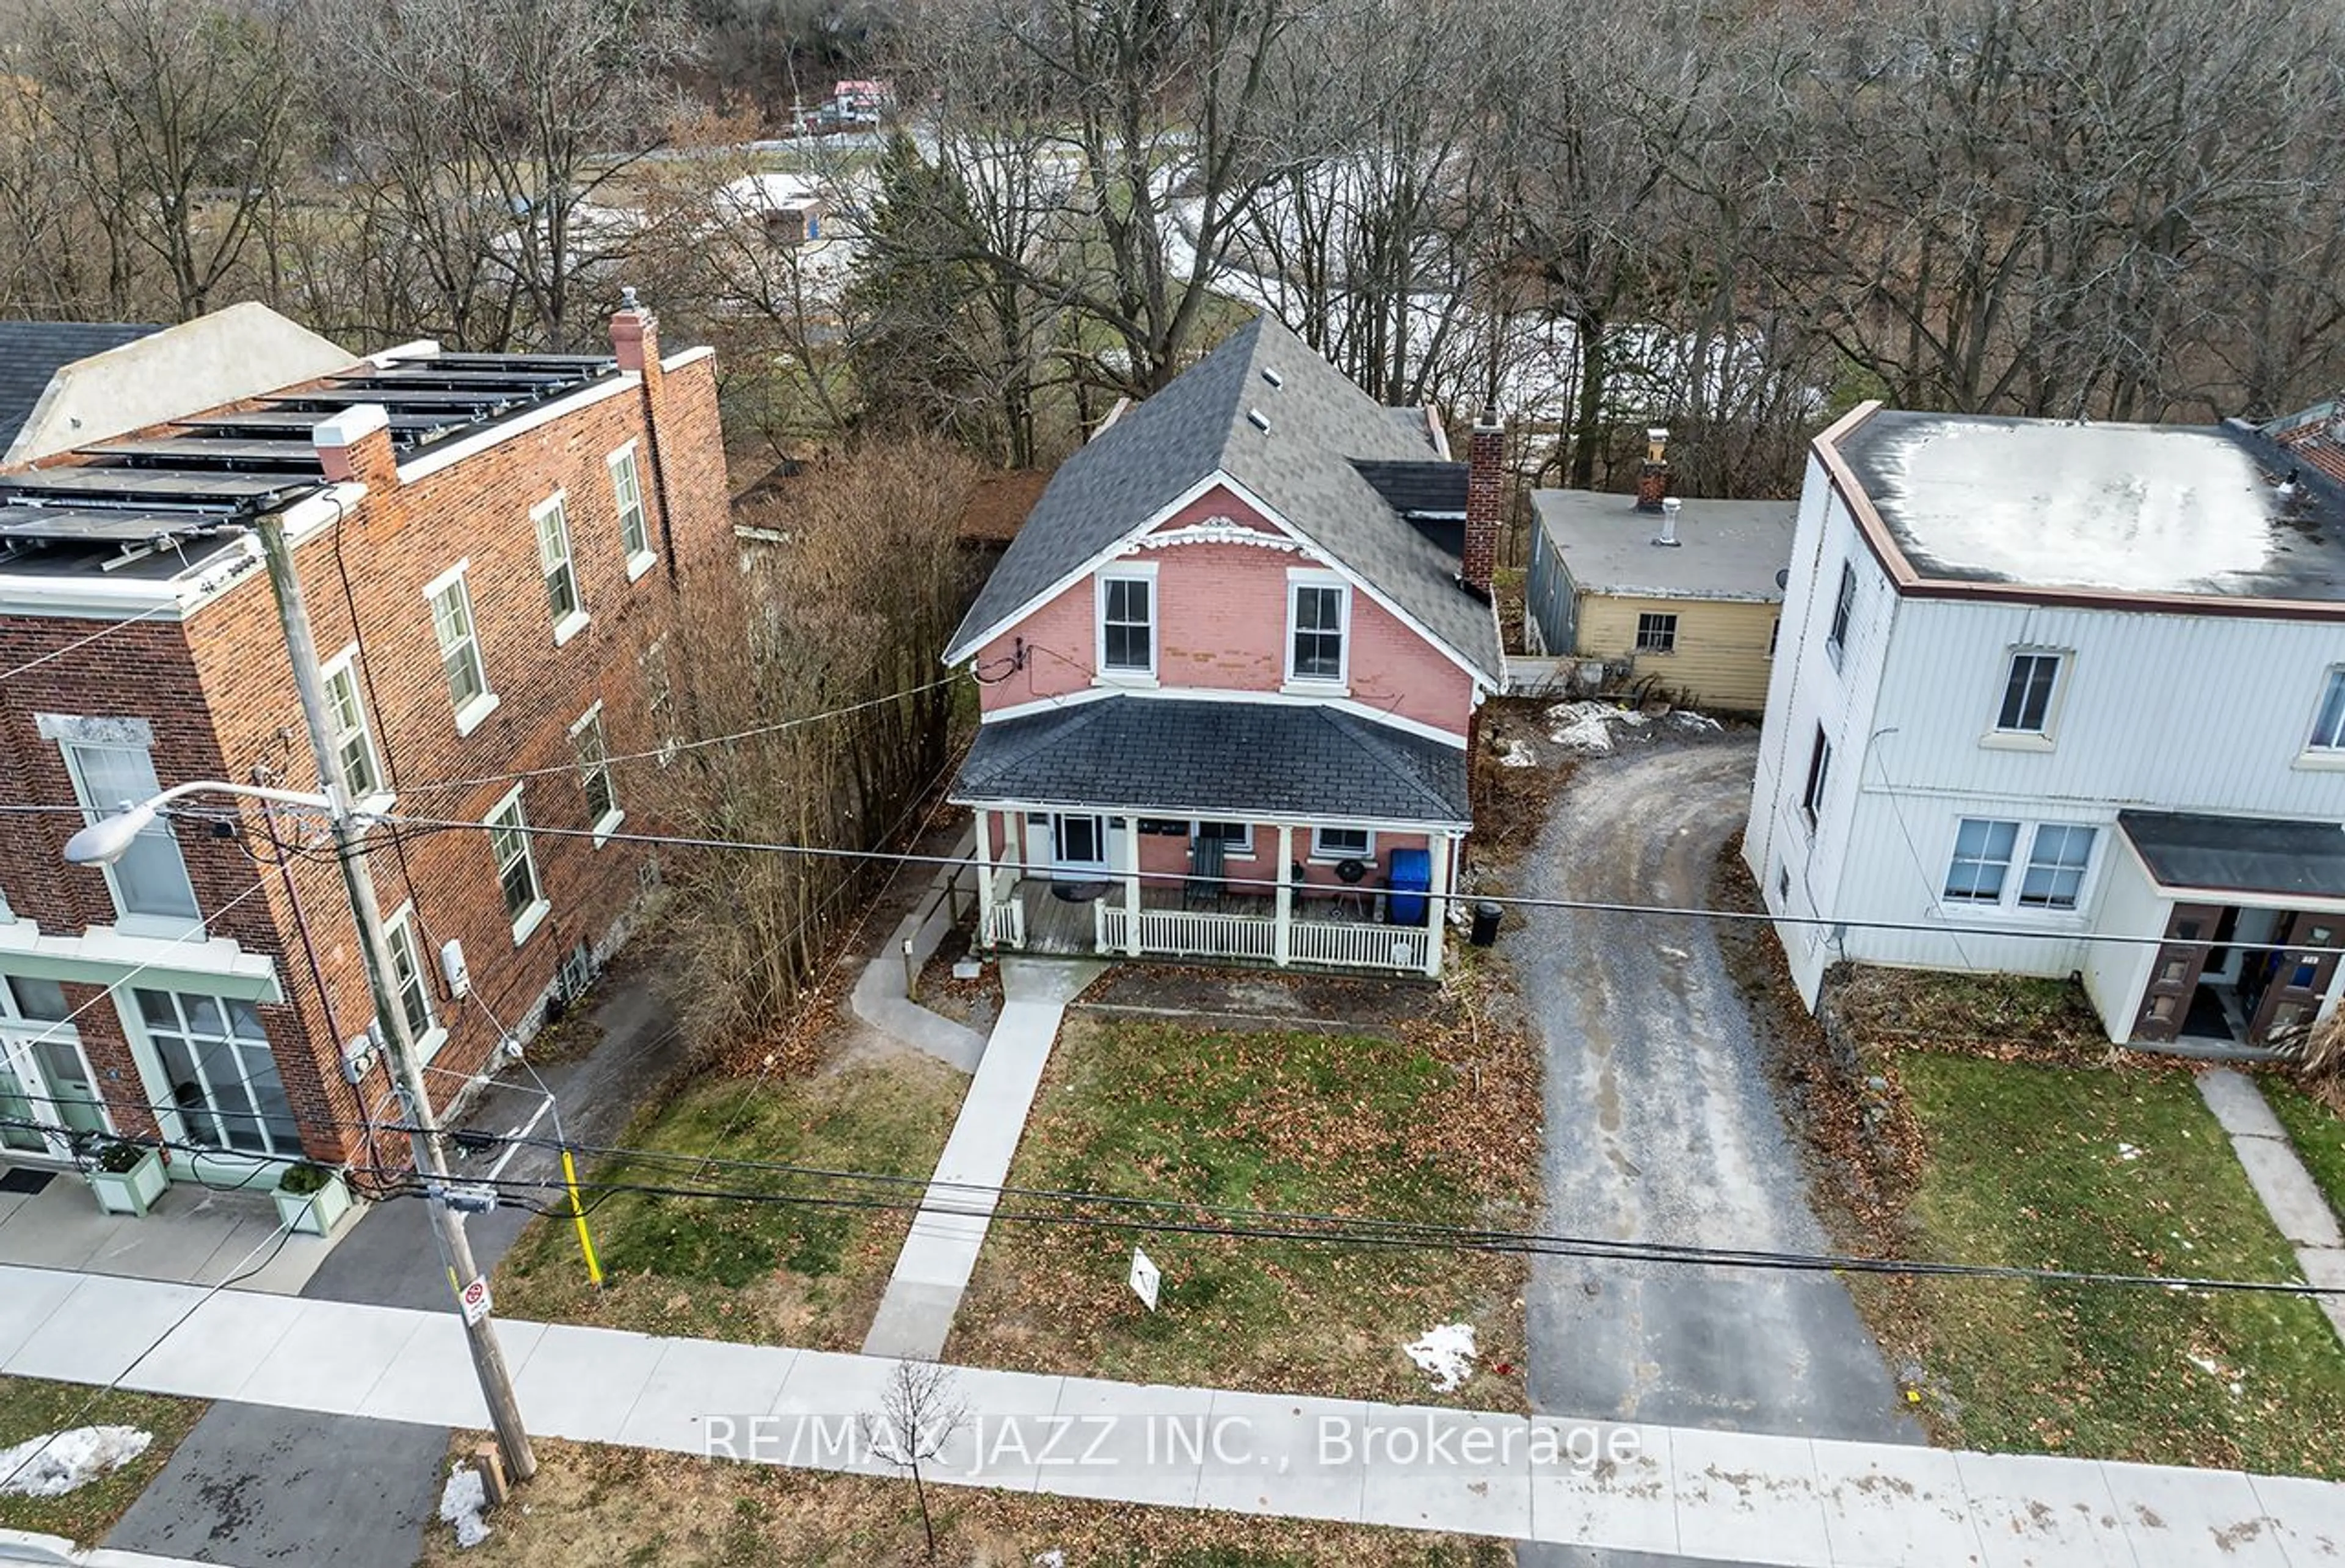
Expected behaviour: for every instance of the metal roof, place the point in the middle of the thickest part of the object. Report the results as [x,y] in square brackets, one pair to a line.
[1728,549]
[2274,856]
[1178,757]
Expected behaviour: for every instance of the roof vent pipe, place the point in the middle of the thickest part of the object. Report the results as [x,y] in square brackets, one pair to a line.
[1668,534]
[1255,418]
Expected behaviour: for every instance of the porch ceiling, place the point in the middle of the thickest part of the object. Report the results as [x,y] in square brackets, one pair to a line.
[2187,850]
[1233,760]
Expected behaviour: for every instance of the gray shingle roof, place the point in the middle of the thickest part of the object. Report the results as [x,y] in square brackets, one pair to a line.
[1301,466]
[1728,549]
[1177,757]
[31,352]
[2240,854]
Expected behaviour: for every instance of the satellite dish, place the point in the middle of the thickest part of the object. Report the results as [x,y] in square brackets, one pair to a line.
[1782,577]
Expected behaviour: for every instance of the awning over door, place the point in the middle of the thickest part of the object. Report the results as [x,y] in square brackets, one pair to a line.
[2267,856]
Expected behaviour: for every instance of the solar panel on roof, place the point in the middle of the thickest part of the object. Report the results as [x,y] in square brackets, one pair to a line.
[433,374]
[66,524]
[279,419]
[213,451]
[150,484]
[398,398]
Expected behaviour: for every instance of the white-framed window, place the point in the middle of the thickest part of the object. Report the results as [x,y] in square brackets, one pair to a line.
[1341,843]
[602,811]
[551,518]
[1319,629]
[2329,722]
[2029,685]
[2057,859]
[451,598]
[1843,610]
[627,495]
[221,1073]
[1236,837]
[353,737]
[152,895]
[412,981]
[1811,798]
[525,901]
[1657,633]
[1982,860]
[1127,623]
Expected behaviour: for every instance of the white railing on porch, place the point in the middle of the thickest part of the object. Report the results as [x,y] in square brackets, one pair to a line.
[1197,934]
[1005,924]
[1350,944]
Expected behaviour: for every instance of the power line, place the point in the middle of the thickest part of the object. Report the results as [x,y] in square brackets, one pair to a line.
[108,629]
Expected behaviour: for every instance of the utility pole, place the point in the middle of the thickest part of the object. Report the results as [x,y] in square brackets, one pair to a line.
[423,1124]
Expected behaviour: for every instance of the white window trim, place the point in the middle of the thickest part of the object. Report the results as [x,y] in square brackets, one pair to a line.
[2314,757]
[2000,739]
[639,560]
[377,801]
[1836,641]
[1636,637]
[469,716]
[2006,905]
[427,1044]
[1320,851]
[532,917]
[576,622]
[1319,685]
[608,823]
[1234,848]
[211,1054]
[1126,572]
[170,927]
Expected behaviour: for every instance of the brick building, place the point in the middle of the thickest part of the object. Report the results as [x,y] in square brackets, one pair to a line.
[494,550]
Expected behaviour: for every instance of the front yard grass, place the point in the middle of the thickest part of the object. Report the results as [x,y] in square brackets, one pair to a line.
[32,1407]
[597,1505]
[1434,1124]
[2318,1132]
[2120,1170]
[736,1269]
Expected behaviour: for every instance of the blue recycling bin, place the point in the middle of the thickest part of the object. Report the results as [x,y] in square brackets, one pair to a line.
[1408,877]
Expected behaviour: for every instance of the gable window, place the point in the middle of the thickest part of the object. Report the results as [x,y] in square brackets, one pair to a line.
[2056,860]
[1843,607]
[594,774]
[1341,843]
[354,741]
[222,1074]
[525,902]
[1318,627]
[1819,774]
[1127,609]
[1981,861]
[2328,724]
[152,895]
[459,648]
[2027,689]
[409,981]
[627,494]
[552,520]
[1657,633]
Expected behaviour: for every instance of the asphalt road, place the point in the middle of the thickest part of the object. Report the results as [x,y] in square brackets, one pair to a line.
[1661,1125]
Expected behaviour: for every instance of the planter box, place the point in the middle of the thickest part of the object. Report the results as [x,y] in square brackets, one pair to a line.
[131,1192]
[313,1213]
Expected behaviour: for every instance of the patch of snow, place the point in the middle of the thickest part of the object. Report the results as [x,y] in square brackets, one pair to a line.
[1686,719]
[1445,1354]
[57,1463]
[2127,1151]
[1584,726]
[1519,754]
[1053,1558]
[461,1502]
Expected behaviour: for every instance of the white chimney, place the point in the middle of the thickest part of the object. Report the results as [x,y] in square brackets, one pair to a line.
[1668,534]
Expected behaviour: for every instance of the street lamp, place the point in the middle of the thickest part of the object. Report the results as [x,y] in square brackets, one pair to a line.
[108,839]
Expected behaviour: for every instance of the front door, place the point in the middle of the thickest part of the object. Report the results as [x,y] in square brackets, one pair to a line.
[2298,977]
[2174,973]
[1079,848]
[48,1093]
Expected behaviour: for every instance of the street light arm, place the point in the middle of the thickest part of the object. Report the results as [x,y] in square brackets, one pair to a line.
[108,839]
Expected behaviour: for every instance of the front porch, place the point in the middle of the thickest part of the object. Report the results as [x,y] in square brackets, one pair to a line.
[1319,931]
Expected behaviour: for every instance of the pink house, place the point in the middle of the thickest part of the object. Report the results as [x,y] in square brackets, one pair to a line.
[1229,669]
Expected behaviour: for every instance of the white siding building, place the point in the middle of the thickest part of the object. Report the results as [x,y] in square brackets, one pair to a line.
[2056,699]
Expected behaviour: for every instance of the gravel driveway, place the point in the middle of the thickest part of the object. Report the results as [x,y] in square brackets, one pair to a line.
[1661,1125]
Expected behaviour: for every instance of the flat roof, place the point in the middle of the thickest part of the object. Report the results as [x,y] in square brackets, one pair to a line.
[2189,510]
[1729,549]
[2270,855]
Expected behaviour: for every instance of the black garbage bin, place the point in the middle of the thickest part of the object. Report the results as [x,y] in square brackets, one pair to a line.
[1486,916]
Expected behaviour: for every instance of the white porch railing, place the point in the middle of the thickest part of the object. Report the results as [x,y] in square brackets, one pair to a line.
[1351,944]
[1005,924]
[1254,938]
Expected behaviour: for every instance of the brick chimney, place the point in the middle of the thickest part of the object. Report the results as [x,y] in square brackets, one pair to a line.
[354,445]
[1486,500]
[1654,473]
[635,337]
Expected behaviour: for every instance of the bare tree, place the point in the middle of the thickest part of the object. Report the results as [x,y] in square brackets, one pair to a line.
[919,1412]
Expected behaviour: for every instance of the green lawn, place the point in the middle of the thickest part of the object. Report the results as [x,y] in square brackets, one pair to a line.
[793,1273]
[1305,1123]
[2105,1170]
[30,1408]
[2318,1132]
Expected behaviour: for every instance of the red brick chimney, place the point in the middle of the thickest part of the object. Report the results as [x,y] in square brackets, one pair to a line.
[1654,473]
[355,445]
[1486,500]
[634,338]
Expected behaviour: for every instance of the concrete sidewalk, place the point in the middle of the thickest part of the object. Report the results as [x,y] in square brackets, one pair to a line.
[1713,1495]
[2289,1193]
[940,1248]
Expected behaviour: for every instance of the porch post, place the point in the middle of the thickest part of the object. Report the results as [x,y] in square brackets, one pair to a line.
[1282,925]
[1437,907]
[1131,884]
[984,876]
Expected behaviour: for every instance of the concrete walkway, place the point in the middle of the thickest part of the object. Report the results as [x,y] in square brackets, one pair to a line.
[1701,1494]
[2289,1192]
[193,1233]
[878,997]
[917,1314]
